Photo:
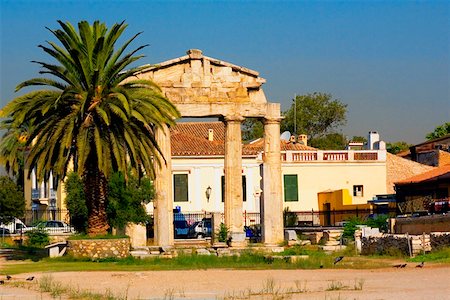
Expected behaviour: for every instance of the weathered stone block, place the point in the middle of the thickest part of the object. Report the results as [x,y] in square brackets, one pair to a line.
[290,235]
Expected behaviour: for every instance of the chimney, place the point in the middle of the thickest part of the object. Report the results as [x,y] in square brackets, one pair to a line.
[372,141]
[303,138]
[210,135]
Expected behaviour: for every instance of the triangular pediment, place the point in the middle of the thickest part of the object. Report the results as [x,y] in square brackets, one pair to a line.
[198,79]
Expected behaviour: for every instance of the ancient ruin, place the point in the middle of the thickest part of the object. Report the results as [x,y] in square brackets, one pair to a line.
[202,86]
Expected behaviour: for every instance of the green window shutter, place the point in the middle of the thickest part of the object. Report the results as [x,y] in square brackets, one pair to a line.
[180,187]
[290,188]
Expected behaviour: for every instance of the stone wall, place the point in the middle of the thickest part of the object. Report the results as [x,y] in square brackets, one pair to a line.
[392,244]
[101,248]
[439,240]
[427,224]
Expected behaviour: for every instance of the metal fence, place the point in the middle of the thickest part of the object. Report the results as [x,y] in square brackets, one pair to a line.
[292,218]
[32,217]
[332,217]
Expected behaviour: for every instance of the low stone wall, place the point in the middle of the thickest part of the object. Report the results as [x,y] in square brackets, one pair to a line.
[384,244]
[427,224]
[101,248]
[439,240]
[402,243]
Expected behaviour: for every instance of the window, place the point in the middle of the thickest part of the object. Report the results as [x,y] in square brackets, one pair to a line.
[290,188]
[244,188]
[180,187]
[358,191]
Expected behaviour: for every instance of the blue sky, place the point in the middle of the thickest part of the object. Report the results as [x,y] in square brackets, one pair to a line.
[388,60]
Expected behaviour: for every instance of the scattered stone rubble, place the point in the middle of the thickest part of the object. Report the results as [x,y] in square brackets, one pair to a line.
[217,250]
[332,240]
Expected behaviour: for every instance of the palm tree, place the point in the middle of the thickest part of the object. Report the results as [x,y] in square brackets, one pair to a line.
[94,114]
[13,148]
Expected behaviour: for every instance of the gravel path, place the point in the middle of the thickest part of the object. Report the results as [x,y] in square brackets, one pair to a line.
[430,282]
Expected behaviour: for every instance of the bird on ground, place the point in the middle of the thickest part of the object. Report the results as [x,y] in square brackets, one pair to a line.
[8,277]
[321,266]
[420,265]
[30,278]
[403,266]
[397,266]
[2,282]
[338,259]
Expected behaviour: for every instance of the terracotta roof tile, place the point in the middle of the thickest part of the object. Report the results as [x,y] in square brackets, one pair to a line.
[436,173]
[191,138]
[398,169]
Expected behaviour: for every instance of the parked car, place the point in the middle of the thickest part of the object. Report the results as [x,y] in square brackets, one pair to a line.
[4,231]
[15,226]
[53,226]
[200,229]
[180,228]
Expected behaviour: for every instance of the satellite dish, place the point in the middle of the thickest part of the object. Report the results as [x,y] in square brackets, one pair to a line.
[285,136]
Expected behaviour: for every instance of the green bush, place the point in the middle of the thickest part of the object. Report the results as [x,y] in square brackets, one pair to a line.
[76,202]
[350,227]
[37,238]
[380,221]
[222,234]
[289,218]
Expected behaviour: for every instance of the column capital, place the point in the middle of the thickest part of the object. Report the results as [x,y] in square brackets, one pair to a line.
[272,120]
[233,118]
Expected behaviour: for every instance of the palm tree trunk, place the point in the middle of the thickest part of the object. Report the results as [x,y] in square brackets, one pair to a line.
[95,188]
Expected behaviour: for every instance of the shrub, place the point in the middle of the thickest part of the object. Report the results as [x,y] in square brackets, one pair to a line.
[289,218]
[37,238]
[350,227]
[222,234]
[380,221]
[76,202]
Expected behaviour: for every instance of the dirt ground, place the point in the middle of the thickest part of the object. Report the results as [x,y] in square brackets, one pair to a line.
[430,282]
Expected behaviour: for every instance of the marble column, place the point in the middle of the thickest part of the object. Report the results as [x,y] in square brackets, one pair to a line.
[272,202]
[233,180]
[162,205]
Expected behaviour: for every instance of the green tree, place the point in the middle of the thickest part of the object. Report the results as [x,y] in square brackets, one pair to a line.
[331,141]
[252,129]
[126,200]
[359,139]
[315,114]
[94,112]
[76,202]
[439,131]
[12,202]
[397,147]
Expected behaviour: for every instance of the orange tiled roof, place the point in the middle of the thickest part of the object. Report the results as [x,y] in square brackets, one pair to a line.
[398,169]
[191,138]
[285,145]
[437,173]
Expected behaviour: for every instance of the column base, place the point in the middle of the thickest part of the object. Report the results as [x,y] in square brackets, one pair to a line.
[238,240]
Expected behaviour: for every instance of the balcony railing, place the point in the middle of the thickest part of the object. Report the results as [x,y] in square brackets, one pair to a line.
[333,155]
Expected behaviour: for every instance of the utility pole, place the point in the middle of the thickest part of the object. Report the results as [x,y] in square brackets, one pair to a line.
[295,115]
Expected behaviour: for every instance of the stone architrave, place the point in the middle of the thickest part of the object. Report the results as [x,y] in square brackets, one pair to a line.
[233,179]
[272,208]
[163,204]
